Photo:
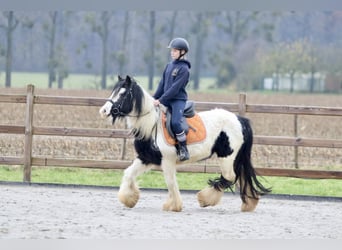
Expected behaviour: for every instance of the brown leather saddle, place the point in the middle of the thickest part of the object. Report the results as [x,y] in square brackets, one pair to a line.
[192,124]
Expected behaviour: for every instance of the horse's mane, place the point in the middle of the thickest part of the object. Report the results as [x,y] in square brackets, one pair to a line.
[141,121]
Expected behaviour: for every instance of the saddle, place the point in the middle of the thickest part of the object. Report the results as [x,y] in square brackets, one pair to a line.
[191,123]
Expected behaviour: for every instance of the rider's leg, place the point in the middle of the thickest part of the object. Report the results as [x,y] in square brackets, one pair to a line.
[183,153]
[177,110]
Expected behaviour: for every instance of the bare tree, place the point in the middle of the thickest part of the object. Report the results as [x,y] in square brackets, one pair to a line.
[151,53]
[122,57]
[12,23]
[172,26]
[61,54]
[28,22]
[200,29]
[50,29]
[101,28]
[238,26]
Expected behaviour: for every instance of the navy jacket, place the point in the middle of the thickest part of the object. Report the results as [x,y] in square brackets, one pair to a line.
[172,85]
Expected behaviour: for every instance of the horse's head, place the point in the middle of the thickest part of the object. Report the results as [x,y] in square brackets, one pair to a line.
[125,100]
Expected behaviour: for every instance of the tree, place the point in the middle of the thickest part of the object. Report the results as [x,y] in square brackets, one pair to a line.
[167,30]
[56,30]
[12,23]
[121,55]
[290,58]
[28,23]
[331,66]
[62,69]
[223,45]
[313,63]
[272,63]
[50,29]
[200,29]
[151,53]
[238,26]
[101,27]
[296,60]
[172,25]
[2,53]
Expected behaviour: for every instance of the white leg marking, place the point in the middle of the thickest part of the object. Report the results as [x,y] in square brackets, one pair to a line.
[174,201]
[129,191]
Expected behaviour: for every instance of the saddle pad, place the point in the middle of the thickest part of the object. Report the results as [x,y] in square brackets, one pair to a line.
[197,132]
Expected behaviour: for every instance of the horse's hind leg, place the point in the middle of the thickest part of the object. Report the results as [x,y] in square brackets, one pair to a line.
[249,203]
[129,191]
[211,196]
[174,201]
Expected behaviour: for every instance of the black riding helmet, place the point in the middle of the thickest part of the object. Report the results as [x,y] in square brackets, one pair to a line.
[180,44]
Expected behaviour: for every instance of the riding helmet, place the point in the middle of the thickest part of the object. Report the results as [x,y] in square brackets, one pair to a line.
[179,43]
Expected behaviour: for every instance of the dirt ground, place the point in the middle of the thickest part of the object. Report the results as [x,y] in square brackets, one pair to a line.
[59,212]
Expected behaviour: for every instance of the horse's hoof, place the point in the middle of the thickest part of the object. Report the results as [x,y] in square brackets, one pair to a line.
[209,197]
[249,205]
[173,208]
[129,199]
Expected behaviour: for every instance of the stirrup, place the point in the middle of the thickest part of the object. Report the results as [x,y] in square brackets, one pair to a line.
[183,154]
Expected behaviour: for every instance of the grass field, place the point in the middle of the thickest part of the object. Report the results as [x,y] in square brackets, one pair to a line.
[82,81]
[154,179]
[40,80]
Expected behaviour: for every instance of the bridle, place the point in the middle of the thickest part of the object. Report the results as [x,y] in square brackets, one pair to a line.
[116,111]
[116,108]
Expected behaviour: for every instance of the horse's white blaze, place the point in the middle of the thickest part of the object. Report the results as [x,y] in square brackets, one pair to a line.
[105,109]
[115,98]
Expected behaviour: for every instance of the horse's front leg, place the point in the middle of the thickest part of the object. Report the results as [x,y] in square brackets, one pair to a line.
[129,191]
[174,201]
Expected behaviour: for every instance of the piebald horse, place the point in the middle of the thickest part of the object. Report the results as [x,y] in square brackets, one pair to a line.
[228,135]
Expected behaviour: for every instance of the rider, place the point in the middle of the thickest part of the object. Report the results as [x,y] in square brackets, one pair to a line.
[171,91]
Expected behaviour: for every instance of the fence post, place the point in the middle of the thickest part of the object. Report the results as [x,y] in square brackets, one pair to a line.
[296,135]
[28,133]
[242,104]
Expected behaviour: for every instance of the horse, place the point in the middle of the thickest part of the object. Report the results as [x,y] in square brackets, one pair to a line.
[228,135]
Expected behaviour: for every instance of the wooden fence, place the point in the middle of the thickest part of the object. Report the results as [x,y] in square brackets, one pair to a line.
[31,99]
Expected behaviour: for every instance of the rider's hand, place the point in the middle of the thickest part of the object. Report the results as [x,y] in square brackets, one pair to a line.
[156,103]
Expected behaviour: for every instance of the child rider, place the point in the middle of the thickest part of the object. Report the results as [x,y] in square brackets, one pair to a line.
[171,91]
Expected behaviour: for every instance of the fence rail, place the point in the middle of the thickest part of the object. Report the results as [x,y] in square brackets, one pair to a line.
[242,108]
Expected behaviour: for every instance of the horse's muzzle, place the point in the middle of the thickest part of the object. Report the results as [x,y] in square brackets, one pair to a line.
[105,110]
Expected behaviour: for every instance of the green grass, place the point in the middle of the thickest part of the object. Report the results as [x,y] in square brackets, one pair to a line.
[154,179]
[87,81]
[40,80]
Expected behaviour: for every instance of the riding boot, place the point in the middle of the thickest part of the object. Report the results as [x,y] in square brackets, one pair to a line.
[182,151]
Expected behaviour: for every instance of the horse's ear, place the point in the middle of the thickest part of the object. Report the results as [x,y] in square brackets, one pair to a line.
[128,79]
[120,78]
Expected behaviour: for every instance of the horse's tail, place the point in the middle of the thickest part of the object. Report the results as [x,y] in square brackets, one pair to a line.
[243,167]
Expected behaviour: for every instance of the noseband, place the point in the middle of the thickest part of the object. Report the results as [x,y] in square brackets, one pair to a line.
[116,108]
